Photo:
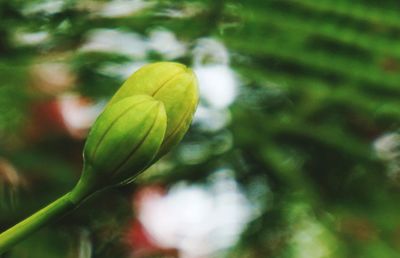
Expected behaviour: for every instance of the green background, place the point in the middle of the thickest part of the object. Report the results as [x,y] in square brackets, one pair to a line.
[319,85]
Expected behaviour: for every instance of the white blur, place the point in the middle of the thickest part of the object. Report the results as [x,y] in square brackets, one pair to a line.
[78,114]
[218,83]
[387,148]
[123,8]
[198,220]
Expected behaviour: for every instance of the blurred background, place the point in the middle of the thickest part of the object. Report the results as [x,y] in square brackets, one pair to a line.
[295,147]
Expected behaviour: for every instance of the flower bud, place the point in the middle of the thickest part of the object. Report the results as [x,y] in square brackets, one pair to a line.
[175,86]
[123,141]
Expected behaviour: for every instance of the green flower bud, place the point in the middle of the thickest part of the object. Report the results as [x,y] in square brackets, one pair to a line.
[123,141]
[148,115]
[175,86]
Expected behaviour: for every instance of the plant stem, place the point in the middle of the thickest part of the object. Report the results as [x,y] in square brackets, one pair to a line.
[44,216]
[26,227]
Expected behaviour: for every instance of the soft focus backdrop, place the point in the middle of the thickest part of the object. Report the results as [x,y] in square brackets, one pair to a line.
[295,147]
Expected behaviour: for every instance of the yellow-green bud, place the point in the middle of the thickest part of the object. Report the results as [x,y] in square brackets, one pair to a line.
[146,117]
[123,141]
[175,86]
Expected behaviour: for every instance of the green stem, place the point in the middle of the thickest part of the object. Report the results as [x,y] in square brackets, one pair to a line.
[41,218]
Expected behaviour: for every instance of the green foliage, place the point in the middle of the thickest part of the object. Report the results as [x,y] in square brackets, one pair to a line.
[320,83]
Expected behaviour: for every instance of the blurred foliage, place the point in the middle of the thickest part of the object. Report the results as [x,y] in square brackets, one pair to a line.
[320,83]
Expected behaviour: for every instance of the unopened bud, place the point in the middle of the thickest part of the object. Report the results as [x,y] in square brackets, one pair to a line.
[175,86]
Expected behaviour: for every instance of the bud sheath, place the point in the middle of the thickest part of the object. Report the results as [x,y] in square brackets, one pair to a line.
[123,141]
